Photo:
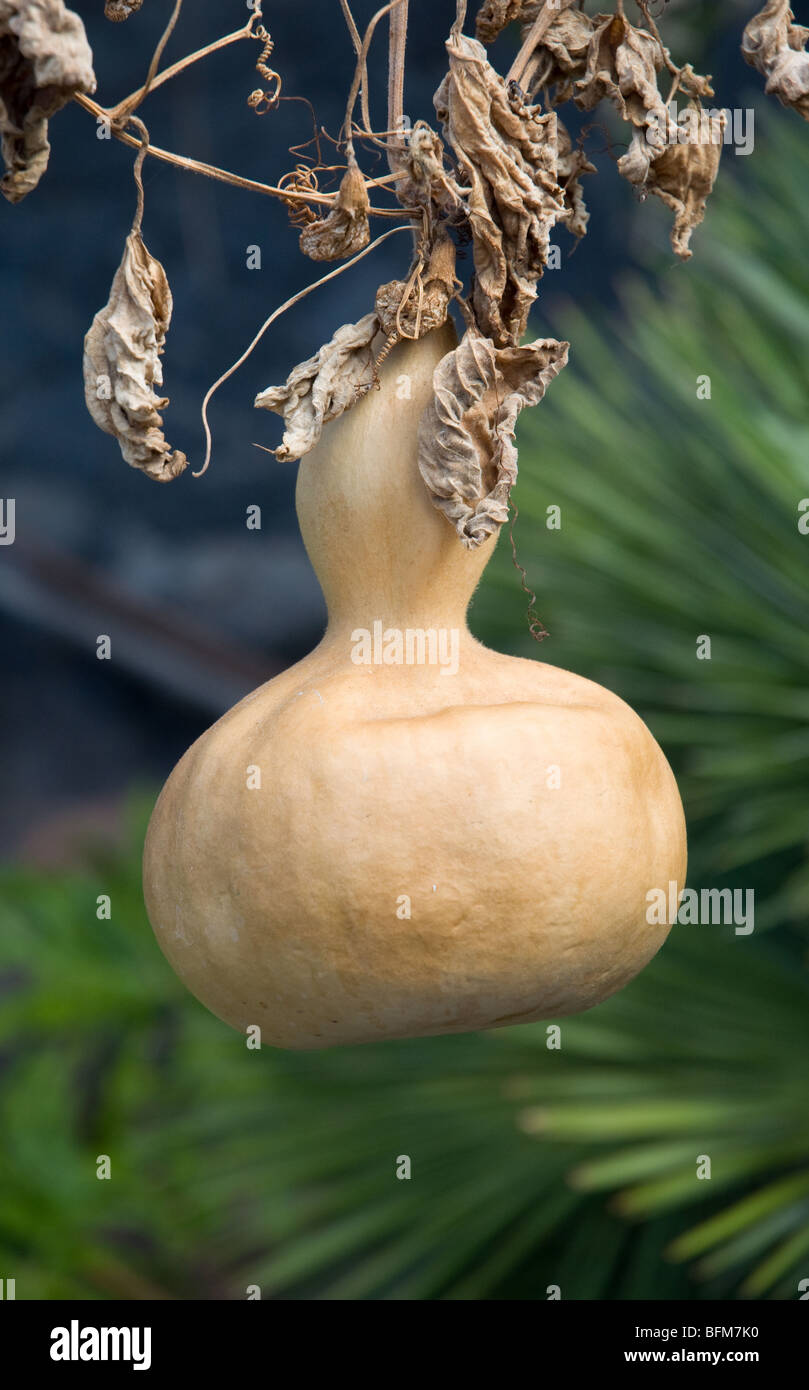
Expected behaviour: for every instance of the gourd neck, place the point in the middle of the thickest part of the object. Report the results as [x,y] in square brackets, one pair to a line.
[381,551]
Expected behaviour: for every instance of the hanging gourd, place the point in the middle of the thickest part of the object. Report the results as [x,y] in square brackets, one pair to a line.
[365,848]
[407,833]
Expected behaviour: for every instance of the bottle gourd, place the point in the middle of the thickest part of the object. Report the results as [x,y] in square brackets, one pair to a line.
[362,850]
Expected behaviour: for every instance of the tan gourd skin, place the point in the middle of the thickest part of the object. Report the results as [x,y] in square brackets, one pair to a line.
[278,906]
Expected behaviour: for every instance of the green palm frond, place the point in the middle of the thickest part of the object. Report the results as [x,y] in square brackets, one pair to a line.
[232,1168]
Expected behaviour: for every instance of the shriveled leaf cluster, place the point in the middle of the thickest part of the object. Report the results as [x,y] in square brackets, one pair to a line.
[777,47]
[44,60]
[607,58]
[122,364]
[501,174]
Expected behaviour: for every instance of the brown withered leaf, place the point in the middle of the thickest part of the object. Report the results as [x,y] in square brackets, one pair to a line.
[467,455]
[506,153]
[122,351]
[44,60]
[323,387]
[623,63]
[346,229]
[622,66]
[427,303]
[494,15]
[683,177]
[572,164]
[118,10]
[776,46]
[560,57]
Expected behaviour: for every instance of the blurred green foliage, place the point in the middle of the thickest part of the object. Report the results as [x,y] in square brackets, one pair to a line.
[530,1167]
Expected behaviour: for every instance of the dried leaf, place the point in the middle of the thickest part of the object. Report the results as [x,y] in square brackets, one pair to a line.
[118,10]
[346,229]
[467,455]
[506,153]
[44,59]
[695,85]
[683,176]
[622,66]
[494,15]
[572,164]
[428,182]
[560,57]
[122,353]
[427,303]
[323,387]
[776,46]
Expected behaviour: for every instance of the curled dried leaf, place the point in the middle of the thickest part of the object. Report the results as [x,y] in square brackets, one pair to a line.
[346,229]
[622,66]
[118,10]
[494,15]
[560,57]
[572,164]
[776,46]
[693,84]
[683,177]
[467,455]
[623,63]
[44,60]
[122,351]
[323,387]
[410,308]
[506,153]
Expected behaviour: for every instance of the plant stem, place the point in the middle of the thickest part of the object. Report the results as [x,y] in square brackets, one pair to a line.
[362,58]
[195,166]
[126,108]
[282,308]
[357,42]
[130,102]
[396,65]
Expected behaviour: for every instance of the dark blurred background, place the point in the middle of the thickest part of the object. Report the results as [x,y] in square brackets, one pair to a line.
[680,518]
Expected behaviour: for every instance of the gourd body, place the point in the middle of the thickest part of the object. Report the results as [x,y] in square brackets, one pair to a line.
[366,851]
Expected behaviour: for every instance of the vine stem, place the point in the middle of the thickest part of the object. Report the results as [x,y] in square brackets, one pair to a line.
[357,42]
[195,166]
[127,107]
[396,66]
[361,66]
[288,304]
[138,175]
[134,99]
